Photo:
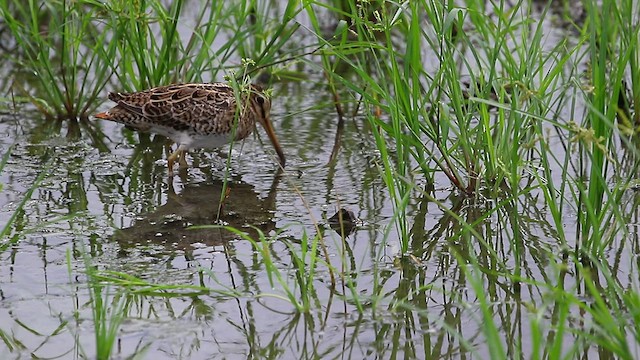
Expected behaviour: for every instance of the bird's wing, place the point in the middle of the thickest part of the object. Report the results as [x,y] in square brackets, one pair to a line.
[204,107]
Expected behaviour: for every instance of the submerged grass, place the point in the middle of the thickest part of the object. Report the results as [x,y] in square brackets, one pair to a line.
[301,292]
[8,227]
[108,312]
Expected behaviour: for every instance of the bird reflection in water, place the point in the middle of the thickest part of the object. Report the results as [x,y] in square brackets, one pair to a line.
[198,204]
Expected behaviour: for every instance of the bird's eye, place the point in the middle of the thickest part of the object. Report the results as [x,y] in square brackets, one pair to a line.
[261,100]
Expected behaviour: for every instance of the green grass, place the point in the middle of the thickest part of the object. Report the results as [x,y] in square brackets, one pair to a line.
[492,137]
[113,296]
[64,55]
[476,98]
[70,50]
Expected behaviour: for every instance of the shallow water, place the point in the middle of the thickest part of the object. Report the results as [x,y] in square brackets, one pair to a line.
[120,207]
[105,193]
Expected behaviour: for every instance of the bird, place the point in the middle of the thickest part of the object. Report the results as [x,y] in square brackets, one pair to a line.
[195,115]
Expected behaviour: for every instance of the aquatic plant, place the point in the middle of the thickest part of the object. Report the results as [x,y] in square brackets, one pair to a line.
[64,55]
[521,141]
[69,50]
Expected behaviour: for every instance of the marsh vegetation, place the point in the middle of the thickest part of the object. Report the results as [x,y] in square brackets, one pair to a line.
[480,157]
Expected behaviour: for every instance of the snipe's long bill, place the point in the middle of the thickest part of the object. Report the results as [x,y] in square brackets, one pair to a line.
[194,115]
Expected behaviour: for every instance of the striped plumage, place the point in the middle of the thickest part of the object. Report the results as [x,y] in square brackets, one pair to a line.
[194,115]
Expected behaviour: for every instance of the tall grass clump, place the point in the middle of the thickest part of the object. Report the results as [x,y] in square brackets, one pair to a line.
[478,97]
[448,107]
[64,56]
[612,58]
[69,50]
[479,109]
[157,44]
[149,46]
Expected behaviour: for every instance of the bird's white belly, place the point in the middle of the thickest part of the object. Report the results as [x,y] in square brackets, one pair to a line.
[204,141]
[190,140]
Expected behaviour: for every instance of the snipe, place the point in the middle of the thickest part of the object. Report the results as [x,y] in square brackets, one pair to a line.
[194,115]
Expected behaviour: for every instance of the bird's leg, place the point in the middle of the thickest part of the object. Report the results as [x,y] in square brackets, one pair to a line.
[172,158]
[183,160]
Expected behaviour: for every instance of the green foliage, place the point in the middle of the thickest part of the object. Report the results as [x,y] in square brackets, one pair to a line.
[471,96]
[69,50]
[65,55]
